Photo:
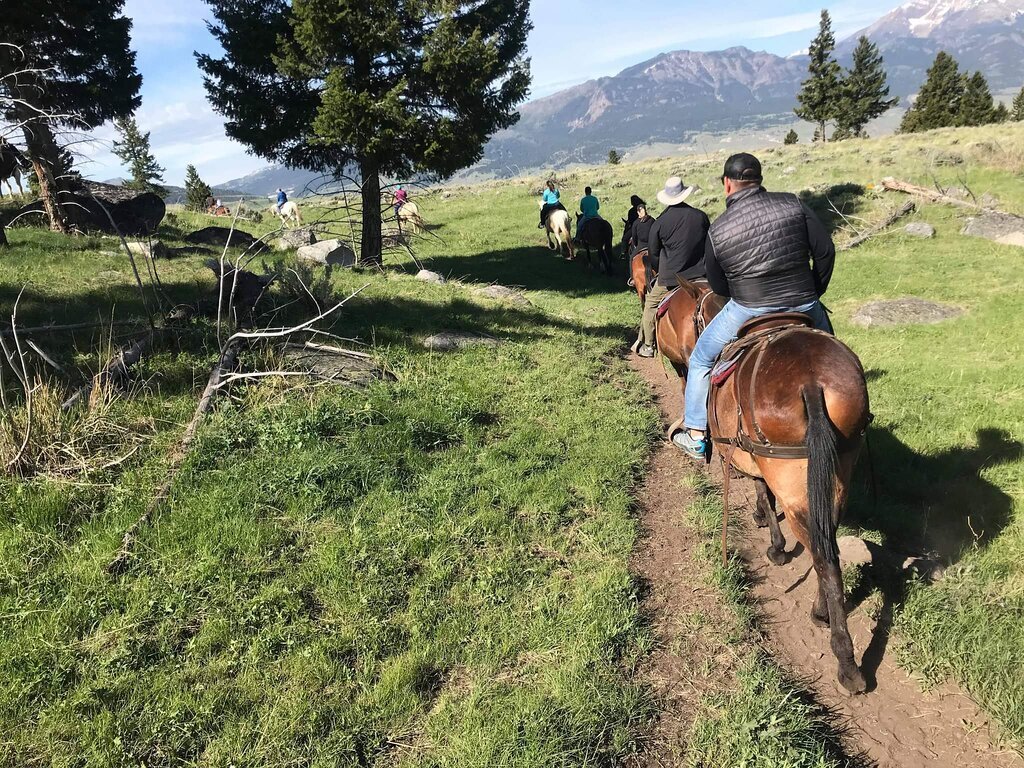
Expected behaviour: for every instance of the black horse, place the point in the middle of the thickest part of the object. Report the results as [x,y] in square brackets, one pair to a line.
[597,233]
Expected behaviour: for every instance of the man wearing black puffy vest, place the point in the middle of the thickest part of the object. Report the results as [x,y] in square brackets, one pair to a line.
[768,253]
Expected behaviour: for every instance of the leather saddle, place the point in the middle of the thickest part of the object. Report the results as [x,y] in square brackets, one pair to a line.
[750,335]
[663,304]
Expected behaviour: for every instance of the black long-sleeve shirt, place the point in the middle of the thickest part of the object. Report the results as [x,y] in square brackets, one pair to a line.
[822,254]
[676,244]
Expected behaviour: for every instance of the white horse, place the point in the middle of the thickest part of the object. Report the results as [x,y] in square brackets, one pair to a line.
[409,218]
[289,211]
[560,227]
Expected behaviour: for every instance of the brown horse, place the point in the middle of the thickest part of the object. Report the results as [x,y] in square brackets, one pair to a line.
[679,325]
[792,415]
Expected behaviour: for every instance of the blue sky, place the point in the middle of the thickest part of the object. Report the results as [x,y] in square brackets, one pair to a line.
[572,41]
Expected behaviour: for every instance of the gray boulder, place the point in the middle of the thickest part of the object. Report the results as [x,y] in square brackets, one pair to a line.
[1004,228]
[296,238]
[447,341]
[502,293]
[430,277]
[908,310]
[339,366]
[151,249]
[920,229]
[332,252]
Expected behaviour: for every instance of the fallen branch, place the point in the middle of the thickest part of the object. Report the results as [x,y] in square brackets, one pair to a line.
[909,207]
[895,185]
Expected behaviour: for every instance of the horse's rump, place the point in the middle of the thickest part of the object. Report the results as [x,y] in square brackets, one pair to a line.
[766,388]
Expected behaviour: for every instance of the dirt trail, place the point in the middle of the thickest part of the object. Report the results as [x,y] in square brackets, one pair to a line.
[896,724]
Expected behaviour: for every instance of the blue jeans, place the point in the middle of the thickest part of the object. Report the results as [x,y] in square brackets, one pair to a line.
[720,331]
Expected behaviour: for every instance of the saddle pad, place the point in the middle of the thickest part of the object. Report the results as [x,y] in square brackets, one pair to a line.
[724,369]
[663,304]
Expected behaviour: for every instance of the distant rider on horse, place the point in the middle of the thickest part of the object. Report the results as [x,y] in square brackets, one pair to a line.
[282,198]
[676,246]
[769,253]
[550,202]
[589,207]
[401,198]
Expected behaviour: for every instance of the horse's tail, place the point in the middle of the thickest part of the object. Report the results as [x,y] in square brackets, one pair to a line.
[822,464]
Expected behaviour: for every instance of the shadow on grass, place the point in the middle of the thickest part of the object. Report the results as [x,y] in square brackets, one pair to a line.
[835,203]
[939,504]
[534,268]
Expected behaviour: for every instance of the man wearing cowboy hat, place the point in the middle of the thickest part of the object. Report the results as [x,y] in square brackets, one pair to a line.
[675,248]
[768,253]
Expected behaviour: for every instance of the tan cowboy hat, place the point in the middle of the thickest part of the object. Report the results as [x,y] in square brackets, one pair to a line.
[674,192]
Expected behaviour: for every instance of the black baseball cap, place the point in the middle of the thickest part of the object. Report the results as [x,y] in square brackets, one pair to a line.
[743,167]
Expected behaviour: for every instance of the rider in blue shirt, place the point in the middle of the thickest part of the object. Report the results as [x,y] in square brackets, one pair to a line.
[282,198]
[550,201]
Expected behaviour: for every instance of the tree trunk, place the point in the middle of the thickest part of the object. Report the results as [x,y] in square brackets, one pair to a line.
[3,234]
[42,151]
[824,135]
[370,248]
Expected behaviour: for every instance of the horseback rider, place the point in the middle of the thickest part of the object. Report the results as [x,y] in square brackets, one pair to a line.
[282,198]
[589,207]
[550,202]
[675,248]
[768,253]
[635,201]
[640,232]
[401,198]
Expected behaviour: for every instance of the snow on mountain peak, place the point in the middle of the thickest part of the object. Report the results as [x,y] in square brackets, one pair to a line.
[921,18]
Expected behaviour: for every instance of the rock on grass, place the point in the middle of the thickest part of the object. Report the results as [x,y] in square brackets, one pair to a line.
[333,252]
[1003,228]
[430,277]
[908,310]
[920,229]
[502,293]
[447,341]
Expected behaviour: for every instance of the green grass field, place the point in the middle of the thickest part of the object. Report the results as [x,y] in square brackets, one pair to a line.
[434,571]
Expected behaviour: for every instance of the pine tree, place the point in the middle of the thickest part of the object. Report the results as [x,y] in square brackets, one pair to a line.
[976,105]
[63,82]
[613,157]
[133,151]
[792,137]
[864,93]
[1001,113]
[63,171]
[938,103]
[1017,110]
[819,96]
[393,88]
[197,191]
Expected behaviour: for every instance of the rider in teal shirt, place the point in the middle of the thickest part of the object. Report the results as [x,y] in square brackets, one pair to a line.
[589,206]
[549,202]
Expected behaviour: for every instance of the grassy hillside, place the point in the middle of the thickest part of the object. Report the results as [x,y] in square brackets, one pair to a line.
[434,571]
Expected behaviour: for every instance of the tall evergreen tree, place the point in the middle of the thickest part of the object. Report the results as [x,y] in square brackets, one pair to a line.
[1001,113]
[1017,110]
[76,70]
[819,96]
[938,103]
[197,191]
[133,150]
[792,137]
[394,87]
[864,93]
[976,105]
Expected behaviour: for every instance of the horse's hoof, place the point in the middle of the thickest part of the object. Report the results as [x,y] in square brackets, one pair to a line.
[760,520]
[852,679]
[777,556]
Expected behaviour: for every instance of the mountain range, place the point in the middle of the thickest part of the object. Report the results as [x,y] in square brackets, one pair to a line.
[673,96]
